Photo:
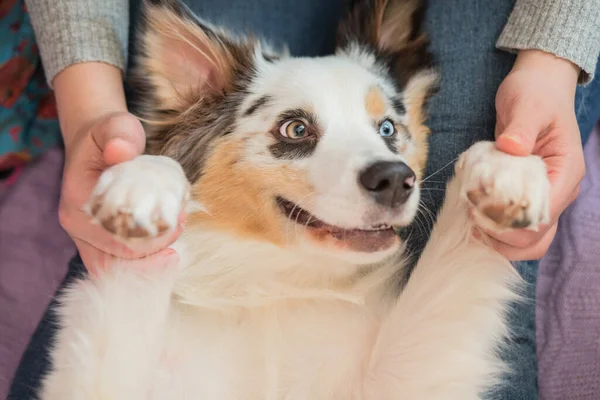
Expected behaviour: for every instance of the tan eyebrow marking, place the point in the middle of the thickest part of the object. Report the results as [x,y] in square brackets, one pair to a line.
[375,103]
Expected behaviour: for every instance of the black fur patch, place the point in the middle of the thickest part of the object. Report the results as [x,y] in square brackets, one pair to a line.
[293,151]
[299,113]
[390,142]
[398,106]
[270,57]
[258,104]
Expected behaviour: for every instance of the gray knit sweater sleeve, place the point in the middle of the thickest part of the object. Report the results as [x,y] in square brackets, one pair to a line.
[75,31]
[569,29]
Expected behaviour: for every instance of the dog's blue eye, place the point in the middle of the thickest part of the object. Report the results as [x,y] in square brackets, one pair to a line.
[387,128]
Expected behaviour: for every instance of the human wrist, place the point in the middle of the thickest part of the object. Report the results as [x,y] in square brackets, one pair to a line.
[86,93]
[556,69]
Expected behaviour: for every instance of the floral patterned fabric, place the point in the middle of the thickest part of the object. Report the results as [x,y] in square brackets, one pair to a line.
[28,119]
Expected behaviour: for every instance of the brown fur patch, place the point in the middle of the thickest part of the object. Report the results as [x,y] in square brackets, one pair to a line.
[240,196]
[505,215]
[416,93]
[475,196]
[375,103]
[387,25]
[123,224]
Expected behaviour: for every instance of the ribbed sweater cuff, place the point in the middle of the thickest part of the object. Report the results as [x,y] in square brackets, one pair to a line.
[71,32]
[569,29]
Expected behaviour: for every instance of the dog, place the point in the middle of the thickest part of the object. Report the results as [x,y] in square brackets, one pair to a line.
[295,174]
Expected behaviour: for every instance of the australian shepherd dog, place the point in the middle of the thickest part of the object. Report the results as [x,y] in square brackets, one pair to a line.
[296,174]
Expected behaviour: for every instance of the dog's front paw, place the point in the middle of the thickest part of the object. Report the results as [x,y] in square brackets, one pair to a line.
[141,198]
[504,191]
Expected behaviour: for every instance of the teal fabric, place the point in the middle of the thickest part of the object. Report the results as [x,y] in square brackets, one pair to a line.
[28,120]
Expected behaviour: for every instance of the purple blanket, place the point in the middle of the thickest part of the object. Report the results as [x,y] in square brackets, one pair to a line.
[568,296]
[34,252]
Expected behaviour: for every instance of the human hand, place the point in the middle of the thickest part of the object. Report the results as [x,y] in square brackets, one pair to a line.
[109,140]
[535,115]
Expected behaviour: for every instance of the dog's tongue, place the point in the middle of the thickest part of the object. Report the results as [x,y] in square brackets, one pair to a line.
[364,241]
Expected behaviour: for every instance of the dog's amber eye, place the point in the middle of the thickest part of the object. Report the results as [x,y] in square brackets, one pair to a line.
[294,129]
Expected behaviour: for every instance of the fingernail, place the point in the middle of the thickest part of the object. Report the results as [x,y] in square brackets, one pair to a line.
[118,150]
[118,143]
[513,138]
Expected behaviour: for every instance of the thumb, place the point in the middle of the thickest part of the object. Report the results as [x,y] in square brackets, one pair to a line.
[519,133]
[120,138]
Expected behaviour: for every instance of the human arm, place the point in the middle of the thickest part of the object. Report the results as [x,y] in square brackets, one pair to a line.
[84,44]
[558,44]
[69,32]
[569,29]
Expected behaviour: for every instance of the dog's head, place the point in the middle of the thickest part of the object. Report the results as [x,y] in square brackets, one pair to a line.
[324,154]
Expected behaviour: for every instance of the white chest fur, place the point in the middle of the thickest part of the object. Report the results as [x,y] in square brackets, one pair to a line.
[277,342]
[290,350]
[205,331]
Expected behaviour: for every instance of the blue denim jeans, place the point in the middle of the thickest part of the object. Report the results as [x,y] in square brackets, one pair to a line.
[463,34]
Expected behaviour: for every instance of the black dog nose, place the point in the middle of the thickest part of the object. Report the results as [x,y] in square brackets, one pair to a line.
[390,183]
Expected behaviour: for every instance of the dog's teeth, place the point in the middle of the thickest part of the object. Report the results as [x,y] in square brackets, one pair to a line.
[379,227]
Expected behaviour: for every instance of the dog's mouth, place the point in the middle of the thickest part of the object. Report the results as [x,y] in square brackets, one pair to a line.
[364,239]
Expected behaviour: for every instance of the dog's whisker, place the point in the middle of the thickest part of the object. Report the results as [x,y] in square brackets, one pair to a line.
[426,213]
[442,182]
[291,213]
[423,225]
[308,221]
[439,170]
[419,225]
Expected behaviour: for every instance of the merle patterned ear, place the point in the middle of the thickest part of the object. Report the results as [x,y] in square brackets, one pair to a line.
[182,57]
[393,30]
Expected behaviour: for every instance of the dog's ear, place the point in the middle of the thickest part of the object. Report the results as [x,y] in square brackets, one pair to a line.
[183,60]
[392,30]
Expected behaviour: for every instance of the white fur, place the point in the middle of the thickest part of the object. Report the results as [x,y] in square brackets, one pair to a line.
[244,320]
